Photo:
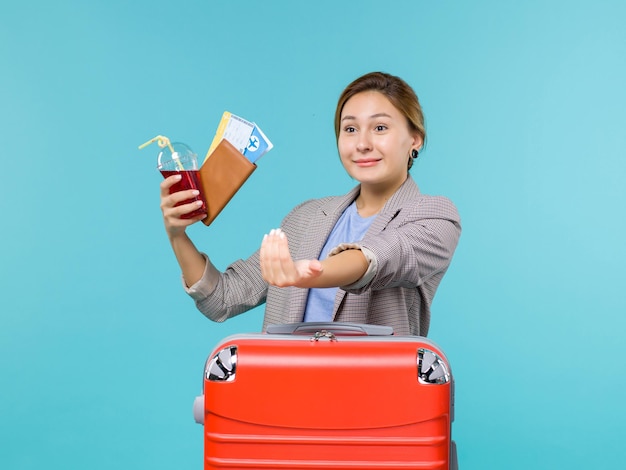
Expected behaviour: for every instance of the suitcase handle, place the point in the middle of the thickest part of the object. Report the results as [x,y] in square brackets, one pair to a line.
[336,328]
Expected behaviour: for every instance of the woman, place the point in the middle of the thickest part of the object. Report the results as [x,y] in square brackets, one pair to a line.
[375,255]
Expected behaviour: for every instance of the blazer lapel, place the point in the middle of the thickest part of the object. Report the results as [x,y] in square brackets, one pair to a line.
[390,211]
[393,207]
[320,225]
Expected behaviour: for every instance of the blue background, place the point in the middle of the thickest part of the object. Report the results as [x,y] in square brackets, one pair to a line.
[101,353]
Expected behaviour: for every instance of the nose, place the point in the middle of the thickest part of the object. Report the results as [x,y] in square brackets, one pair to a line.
[364,144]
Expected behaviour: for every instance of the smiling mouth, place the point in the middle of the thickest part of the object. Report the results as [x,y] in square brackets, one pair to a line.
[367,162]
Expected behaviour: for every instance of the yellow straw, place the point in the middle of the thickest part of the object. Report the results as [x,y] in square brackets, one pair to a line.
[162,142]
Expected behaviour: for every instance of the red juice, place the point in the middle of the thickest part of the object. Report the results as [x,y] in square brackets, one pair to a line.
[189,180]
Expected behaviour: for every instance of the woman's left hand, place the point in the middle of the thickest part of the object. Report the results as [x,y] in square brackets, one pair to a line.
[278,267]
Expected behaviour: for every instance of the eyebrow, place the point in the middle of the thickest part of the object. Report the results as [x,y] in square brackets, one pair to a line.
[373,116]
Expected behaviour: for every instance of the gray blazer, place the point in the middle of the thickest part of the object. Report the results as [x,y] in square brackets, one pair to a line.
[409,245]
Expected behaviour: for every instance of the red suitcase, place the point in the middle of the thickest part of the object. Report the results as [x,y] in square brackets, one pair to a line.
[332,395]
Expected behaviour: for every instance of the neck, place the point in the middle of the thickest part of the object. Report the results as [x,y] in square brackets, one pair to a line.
[372,199]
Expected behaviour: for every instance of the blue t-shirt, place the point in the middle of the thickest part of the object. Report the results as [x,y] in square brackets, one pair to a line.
[350,227]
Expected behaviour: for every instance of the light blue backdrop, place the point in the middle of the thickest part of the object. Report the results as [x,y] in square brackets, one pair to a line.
[101,353]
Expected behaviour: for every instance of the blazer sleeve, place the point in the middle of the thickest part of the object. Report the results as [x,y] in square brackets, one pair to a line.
[222,295]
[241,287]
[416,245]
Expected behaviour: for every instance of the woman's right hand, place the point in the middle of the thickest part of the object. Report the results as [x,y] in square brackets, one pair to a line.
[174,224]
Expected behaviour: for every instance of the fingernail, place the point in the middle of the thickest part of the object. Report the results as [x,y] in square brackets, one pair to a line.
[272,232]
[198,203]
[195,192]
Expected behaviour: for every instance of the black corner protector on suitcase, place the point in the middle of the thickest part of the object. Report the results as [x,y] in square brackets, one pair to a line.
[336,328]
[454,460]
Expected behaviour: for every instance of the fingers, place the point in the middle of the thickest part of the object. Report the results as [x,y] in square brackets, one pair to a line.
[277,266]
[167,195]
[315,267]
[176,199]
[174,206]
[168,182]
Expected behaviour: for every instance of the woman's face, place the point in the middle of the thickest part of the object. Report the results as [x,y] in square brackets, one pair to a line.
[375,141]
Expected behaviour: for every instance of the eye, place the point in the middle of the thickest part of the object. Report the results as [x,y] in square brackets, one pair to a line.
[380,128]
[349,129]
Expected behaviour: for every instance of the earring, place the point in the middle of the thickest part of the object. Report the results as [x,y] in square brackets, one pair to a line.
[414,153]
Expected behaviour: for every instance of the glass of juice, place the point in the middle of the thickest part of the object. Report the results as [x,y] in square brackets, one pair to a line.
[178,158]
